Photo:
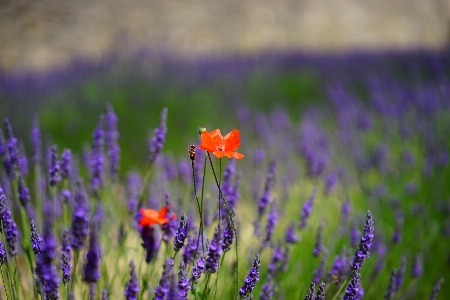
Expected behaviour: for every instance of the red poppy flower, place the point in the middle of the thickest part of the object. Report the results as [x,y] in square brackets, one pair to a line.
[220,145]
[151,216]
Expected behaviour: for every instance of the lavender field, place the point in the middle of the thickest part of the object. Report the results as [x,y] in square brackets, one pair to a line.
[329,178]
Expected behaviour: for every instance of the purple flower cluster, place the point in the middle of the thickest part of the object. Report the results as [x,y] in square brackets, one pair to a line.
[97,160]
[8,225]
[251,279]
[364,246]
[228,236]
[353,287]
[156,143]
[112,145]
[214,251]
[180,235]
[66,163]
[91,272]
[132,287]
[149,242]
[307,209]
[54,169]
[66,258]
[183,282]
[265,198]
[35,239]
[80,218]
[164,283]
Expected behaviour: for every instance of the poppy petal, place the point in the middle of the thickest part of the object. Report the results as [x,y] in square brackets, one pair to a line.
[207,142]
[162,212]
[232,140]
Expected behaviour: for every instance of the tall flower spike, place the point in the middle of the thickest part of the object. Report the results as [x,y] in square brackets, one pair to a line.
[156,144]
[417,269]
[91,272]
[436,289]
[307,209]
[228,236]
[164,283]
[272,220]
[320,270]
[2,254]
[24,192]
[364,246]
[66,163]
[251,279]
[35,239]
[7,163]
[112,146]
[311,291]
[97,157]
[321,292]
[183,282]
[8,224]
[66,258]
[318,248]
[265,198]
[392,288]
[36,142]
[132,287]
[11,143]
[197,270]
[345,210]
[180,235]
[221,146]
[191,248]
[150,242]
[353,287]
[291,236]
[80,218]
[54,170]
[214,251]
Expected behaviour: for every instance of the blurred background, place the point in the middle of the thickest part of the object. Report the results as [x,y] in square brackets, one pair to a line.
[65,61]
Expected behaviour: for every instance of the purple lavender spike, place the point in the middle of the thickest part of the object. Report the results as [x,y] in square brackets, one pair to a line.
[265,198]
[345,210]
[80,218]
[268,289]
[134,182]
[400,273]
[164,283]
[392,288]
[307,209]
[272,220]
[150,242]
[311,291]
[197,270]
[112,145]
[22,160]
[54,170]
[183,282]
[318,247]
[170,168]
[417,269]
[364,246]
[321,292]
[228,236]
[9,226]
[330,183]
[355,235]
[36,142]
[91,272]
[397,236]
[251,279]
[180,235]
[66,258]
[185,171]
[66,163]
[436,289]
[24,192]
[35,239]
[2,253]
[169,229]
[132,287]
[291,236]
[353,287]
[214,251]
[97,158]
[156,143]
[11,144]
[190,248]
[45,269]
[319,272]
[105,295]
[340,268]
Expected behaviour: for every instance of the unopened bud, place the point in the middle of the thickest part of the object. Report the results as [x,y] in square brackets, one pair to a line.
[191,150]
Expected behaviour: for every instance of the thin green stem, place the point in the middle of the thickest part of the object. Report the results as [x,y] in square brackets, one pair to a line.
[344,284]
[220,181]
[217,277]
[206,290]
[3,280]
[75,264]
[200,212]
[230,215]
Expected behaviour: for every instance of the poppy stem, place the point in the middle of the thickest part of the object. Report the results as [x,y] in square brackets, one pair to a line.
[199,206]
[220,179]
[230,215]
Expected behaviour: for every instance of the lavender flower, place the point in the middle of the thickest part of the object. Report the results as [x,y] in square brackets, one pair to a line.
[92,291]
[339,268]
[149,242]
[134,182]
[7,163]
[66,163]
[435,290]
[112,146]
[36,142]
[132,287]
[265,198]
[22,160]
[2,253]
[355,235]
[181,235]
[169,229]
[307,209]
[11,144]
[183,282]
[364,246]
[80,218]
[164,283]
[35,239]
[105,295]
[330,183]
[97,158]
[291,235]
[272,220]
[156,143]
[345,210]
[400,273]
[320,270]
[392,288]
[321,292]
[318,247]
[353,287]
[45,269]
[91,268]
[214,251]
[24,192]
[54,176]
[397,236]
[267,289]
[311,291]
[66,258]
[228,236]
[9,226]
[417,269]
[251,279]
[197,270]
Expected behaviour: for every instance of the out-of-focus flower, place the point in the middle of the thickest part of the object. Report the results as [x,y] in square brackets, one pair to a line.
[220,145]
[151,216]
[156,143]
[132,287]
